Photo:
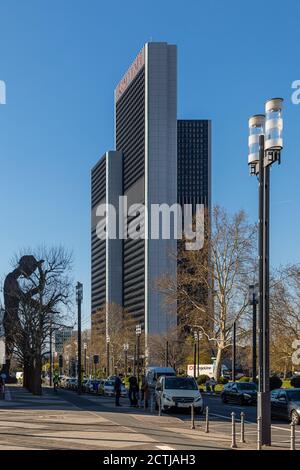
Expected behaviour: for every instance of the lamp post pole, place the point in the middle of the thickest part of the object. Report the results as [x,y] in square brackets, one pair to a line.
[195,358]
[79,297]
[265,145]
[138,331]
[107,356]
[253,301]
[233,351]
[85,364]
[125,347]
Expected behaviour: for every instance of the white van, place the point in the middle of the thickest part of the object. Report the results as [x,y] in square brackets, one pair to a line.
[153,374]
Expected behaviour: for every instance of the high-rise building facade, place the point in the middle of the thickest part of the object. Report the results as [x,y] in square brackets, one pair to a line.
[146,134]
[106,253]
[194,162]
[158,160]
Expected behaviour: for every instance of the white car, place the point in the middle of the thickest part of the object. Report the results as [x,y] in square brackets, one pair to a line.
[107,388]
[178,392]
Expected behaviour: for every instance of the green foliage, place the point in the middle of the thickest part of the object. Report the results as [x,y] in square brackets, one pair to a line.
[223,380]
[275,382]
[202,379]
[295,381]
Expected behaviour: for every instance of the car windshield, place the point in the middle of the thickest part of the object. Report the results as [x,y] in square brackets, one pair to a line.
[247,386]
[293,395]
[180,383]
[109,383]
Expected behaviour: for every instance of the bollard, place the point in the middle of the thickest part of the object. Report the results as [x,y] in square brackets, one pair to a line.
[206,419]
[192,416]
[259,433]
[233,440]
[242,439]
[293,437]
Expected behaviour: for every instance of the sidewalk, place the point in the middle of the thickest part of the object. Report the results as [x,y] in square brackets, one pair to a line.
[68,421]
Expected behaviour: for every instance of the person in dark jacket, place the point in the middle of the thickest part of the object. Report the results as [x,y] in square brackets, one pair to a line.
[133,391]
[117,387]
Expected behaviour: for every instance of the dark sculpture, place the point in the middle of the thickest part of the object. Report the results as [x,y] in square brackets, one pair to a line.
[13,295]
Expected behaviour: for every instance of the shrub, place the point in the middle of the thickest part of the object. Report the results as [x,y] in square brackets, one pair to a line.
[295,381]
[244,379]
[223,380]
[202,379]
[275,382]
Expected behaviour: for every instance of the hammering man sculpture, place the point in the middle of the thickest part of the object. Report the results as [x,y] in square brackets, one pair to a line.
[13,295]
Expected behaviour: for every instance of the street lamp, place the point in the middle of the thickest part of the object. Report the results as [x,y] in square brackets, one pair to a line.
[197,337]
[265,145]
[85,366]
[79,298]
[233,350]
[107,355]
[125,347]
[138,332]
[253,300]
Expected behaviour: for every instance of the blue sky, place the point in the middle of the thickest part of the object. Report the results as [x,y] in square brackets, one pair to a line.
[61,59]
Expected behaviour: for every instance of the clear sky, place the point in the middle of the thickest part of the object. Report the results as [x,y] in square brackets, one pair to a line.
[60,60]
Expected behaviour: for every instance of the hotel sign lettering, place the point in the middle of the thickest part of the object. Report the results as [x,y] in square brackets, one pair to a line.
[132,72]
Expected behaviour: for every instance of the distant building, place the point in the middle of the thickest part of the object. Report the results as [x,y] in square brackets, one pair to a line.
[61,337]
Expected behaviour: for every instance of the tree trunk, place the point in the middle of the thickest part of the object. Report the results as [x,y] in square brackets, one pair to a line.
[218,364]
[36,381]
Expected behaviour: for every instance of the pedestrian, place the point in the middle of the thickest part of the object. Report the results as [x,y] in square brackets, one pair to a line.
[2,387]
[56,382]
[133,391]
[117,389]
[213,384]
[144,392]
[207,386]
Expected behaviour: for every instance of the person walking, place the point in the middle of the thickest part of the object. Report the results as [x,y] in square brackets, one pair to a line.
[144,392]
[133,391]
[213,384]
[55,382]
[117,388]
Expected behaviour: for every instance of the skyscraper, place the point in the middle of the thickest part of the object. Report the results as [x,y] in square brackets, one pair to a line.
[106,253]
[194,162]
[158,160]
[146,134]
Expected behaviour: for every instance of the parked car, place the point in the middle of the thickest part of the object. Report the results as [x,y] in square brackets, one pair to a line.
[107,388]
[84,384]
[285,403]
[92,385]
[62,381]
[178,392]
[239,392]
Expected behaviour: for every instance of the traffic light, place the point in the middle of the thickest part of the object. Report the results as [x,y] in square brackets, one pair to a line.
[60,361]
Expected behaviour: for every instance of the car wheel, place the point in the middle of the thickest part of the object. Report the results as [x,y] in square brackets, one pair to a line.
[224,399]
[295,417]
[241,401]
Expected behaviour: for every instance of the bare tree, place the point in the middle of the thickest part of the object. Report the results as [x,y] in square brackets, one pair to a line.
[39,313]
[121,330]
[212,283]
